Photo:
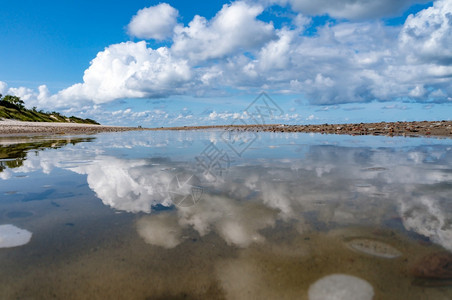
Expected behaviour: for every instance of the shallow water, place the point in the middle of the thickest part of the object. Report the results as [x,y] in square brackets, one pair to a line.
[190,215]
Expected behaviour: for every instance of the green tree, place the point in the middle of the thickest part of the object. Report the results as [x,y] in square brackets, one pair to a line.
[14,100]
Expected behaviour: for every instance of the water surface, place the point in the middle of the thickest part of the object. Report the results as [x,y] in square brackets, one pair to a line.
[201,214]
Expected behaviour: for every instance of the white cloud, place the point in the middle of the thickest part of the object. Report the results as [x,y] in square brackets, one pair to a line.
[22,92]
[226,116]
[418,91]
[155,22]
[129,70]
[351,9]
[425,41]
[43,93]
[343,62]
[427,36]
[301,21]
[276,54]
[3,87]
[234,28]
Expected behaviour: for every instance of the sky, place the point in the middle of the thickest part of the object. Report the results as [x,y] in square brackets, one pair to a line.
[176,63]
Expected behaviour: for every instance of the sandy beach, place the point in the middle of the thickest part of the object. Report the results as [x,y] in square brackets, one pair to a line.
[13,127]
[409,129]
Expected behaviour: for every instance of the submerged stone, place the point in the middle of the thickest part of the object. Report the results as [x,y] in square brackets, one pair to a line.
[434,266]
[373,247]
[340,287]
[12,236]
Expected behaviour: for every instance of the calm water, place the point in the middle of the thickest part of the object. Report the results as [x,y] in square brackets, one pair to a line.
[190,215]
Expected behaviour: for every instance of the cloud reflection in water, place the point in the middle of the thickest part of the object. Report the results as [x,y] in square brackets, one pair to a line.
[332,186]
[312,186]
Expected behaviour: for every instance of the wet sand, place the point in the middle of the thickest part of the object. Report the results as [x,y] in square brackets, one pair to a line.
[409,129]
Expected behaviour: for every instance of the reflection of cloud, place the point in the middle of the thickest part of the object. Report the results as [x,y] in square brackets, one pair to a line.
[129,185]
[322,185]
[428,218]
[12,236]
[160,230]
[237,222]
[25,155]
[6,174]
[276,196]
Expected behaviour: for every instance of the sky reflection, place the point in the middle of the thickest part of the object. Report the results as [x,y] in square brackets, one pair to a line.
[307,181]
[293,214]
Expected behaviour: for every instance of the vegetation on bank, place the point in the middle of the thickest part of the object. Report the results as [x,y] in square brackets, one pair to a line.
[14,155]
[12,107]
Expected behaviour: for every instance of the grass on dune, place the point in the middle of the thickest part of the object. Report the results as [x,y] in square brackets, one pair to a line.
[11,111]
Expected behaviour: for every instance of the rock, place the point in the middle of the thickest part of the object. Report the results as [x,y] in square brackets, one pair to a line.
[434,266]
[340,287]
[373,247]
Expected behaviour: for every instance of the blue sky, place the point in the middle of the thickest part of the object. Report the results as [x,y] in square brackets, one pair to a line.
[174,63]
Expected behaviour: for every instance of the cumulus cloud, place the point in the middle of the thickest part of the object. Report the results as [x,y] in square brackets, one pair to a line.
[427,36]
[343,62]
[234,28]
[3,87]
[155,22]
[22,92]
[425,40]
[129,70]
[351,9]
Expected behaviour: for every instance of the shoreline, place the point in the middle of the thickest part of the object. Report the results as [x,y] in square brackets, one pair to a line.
[408,129]
[20,128]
